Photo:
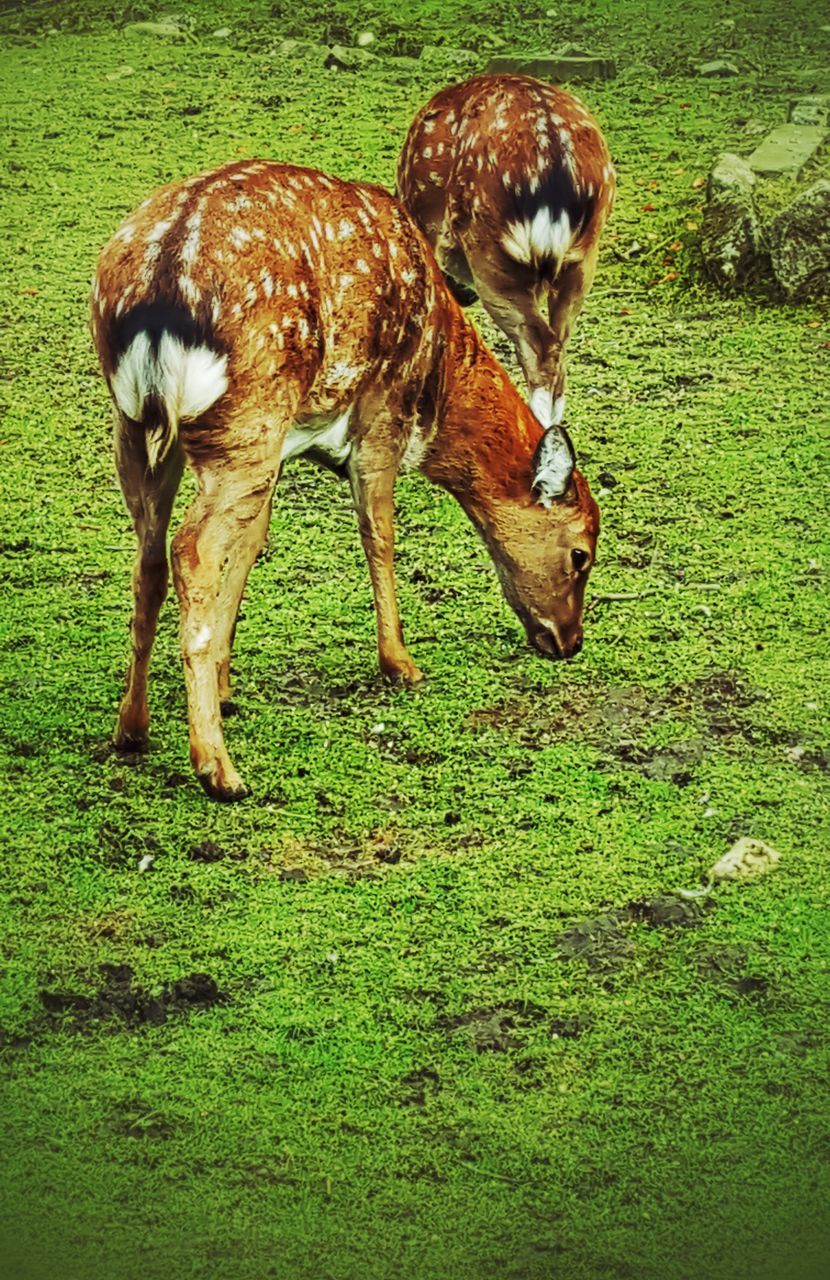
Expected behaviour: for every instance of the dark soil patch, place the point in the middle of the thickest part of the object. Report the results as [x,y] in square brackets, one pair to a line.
[208,851]
[606,942]
[118,995]
[620,722]
[498,1029]
[419,1085]
[729,969]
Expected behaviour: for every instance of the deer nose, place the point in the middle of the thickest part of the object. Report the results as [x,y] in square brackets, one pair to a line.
[573,649]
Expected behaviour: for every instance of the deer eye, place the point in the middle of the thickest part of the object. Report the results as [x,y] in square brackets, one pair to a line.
[579,558]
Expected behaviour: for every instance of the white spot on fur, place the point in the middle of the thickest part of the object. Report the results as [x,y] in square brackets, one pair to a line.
[240,237]
[346,228]
[558,411]
[189,290]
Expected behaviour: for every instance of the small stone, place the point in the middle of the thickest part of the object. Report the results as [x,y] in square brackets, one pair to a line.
[746,860]
[786,150]
[717,68]
[303,49]
[729,172]
[222,33]
[814,110]
[799,244]
[342,59]
[365,39]
[556,69]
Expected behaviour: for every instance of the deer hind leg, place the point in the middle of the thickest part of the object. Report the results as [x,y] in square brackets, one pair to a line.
[373,484]
[237,576]
[568,292]
[212,556]
[149,496]
[514,308]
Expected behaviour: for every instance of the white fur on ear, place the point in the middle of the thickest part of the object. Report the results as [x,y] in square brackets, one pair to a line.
[553,465]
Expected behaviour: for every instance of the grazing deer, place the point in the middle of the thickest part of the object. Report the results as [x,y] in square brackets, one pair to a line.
[262,311]
[511,181]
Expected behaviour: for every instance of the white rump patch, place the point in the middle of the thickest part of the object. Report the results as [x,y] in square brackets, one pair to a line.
[543,236]
[188,380]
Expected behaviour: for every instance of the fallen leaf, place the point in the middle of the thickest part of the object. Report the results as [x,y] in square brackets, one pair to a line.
[648,208]
[698,183]
[670,275]
[692,226]
[30,292]
[676,246]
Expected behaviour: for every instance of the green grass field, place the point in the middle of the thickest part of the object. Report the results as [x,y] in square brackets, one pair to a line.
[426,1005]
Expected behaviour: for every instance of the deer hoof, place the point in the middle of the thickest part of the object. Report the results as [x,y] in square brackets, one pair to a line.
[126,743]
[226,788]
[405,673]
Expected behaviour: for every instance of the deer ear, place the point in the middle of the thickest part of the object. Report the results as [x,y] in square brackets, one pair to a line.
[553,465]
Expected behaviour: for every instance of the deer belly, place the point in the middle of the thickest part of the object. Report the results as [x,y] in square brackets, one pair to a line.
[329,438]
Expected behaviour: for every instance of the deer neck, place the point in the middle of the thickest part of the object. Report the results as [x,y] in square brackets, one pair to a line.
[486,436]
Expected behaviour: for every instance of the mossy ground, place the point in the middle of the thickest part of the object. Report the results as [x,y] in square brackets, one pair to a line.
[453,1035]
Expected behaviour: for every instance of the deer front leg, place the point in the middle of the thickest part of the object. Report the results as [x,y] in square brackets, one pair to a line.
[212,556]
[373,494]
[149,497]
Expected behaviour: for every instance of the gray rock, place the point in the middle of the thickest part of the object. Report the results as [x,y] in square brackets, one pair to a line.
[731,239]
[814,110]
[433,55]
[171,30]
[343,59]
[556,69]
[303,49]
[730,172]
[786,150]
[717,68]
[799,243]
